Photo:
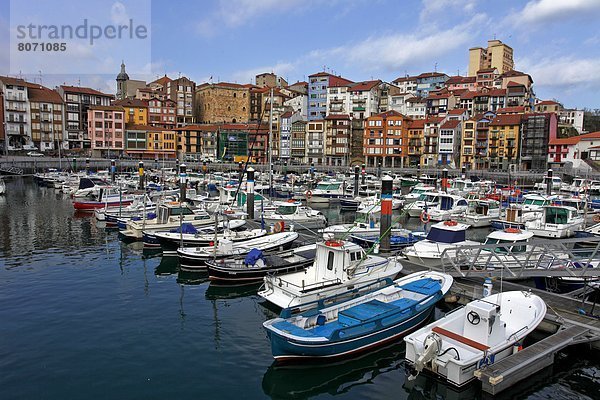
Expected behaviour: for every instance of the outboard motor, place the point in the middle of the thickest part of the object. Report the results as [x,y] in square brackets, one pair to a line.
[431,348]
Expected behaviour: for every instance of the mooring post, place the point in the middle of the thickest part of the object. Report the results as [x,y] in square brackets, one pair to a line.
[356,179]
[87,166]
[250,194]
[141,174]
[549,182]
[113,170]
[445,180]
[182,182]
[74,164]
[386,213]
[364,174]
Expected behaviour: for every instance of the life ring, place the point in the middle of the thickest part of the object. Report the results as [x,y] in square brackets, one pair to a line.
[278,227]
[512,230]
[597,218]
[308,194]
[334,243]
[450,223]
[425,218]
[229,212]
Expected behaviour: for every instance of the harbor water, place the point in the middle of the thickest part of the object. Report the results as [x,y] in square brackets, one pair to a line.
[84,315]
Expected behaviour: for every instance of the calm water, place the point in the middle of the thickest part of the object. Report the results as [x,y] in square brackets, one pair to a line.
[84,316]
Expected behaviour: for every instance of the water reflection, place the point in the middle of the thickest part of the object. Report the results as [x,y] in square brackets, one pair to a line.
[167,266]
[300,382]
[217,292]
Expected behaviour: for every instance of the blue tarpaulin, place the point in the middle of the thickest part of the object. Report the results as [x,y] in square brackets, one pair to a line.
[253,256]
[185,228]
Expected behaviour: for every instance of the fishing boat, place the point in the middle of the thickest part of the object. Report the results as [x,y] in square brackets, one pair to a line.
[443,237]
[483,332]
[188,235]
[292,212]
[449,207]
[108,196]
[513,217]
[256,265]
[480,213]
[339,267]
[194,258]
[556,222]
[329,329]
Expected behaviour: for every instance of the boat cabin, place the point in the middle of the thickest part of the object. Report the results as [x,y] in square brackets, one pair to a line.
[328,187]
[447,232]
[174,208]
[559,214]
[482,207]
[335,257]
[517,237]
[449,202]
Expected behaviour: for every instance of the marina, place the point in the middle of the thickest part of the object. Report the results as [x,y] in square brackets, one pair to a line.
[215,306]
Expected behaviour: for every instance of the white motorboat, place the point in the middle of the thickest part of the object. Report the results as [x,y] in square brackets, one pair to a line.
[416,192]
[533,202]
[189,235]
[328,191]
[339,267]
[194,258]
[294,213]
[444,236]
[168,216]
[556,184]
[481,213]
[480,334]
[425,202]
[449,207]
[556,222]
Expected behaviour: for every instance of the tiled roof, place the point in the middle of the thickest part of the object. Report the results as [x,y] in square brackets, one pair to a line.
[457,111]
[468,95]
[391,113]
[286,114]
[7,80]
[203,127]
[337,116]
[513,84]
[339,81]
[364,86]
[83,90]
[506,119]
[547,103]
[484,70]
[416,124]
[497,92]
[131,103]
[405,79]
[569,140]
[434,120]
[162,81]
[450,124]
[415,100]
[133,127]
[430,75]
[42,94]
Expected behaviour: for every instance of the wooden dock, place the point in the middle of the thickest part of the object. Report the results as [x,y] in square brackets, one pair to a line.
[569,321]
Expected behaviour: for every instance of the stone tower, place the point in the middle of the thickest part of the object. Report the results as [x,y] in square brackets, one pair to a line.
[122,79]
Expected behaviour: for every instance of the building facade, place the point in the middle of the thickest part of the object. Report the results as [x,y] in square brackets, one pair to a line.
[317,93]
[106,130]
[47,118]
[495,55]
[337,139]
[384,139]
[222,103]
[537,131]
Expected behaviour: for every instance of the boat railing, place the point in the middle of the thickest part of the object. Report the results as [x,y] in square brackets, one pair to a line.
[542,258]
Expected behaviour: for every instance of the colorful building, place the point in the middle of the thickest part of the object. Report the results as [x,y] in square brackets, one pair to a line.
[337,139]
[317,93]
[106,130]
[495,55]
[47,119]
[136,111]
[504,135]
[385,139]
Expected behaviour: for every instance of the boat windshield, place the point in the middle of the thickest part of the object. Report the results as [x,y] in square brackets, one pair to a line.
[446,236]
[521,248]
[459,185]
[286,210]
[535,202]
[328,186]
[555,215]
[181,210]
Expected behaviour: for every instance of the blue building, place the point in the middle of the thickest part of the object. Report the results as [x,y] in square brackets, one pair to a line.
[317,93]
[430,81]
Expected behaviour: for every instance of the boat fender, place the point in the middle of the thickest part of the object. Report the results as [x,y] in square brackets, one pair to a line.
[473,317]
[278,227]
[597,218]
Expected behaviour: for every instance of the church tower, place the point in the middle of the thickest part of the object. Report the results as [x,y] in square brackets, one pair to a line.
[122,79]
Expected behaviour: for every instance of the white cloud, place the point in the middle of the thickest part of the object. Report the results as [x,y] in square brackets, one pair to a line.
[248,75]
[541,11]
[394,51]
[118,14]
[435,8]
[564,72]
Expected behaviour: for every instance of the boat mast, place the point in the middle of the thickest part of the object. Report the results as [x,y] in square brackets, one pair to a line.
[271,145]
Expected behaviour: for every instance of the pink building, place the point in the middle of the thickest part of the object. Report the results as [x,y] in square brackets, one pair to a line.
[106,128]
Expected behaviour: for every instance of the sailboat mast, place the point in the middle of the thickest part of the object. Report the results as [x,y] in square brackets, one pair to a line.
[271,144]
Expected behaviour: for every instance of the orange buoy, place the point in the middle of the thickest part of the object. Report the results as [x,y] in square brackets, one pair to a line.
[425,218]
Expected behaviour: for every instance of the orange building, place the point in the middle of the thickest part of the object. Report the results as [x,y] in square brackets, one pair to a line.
[386,139]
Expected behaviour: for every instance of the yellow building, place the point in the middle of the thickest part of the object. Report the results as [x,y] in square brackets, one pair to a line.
[497,55]
[505,132]
[136,111]
[161,142]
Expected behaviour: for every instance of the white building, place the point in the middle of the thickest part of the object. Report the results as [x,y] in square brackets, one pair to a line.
[449,142]
[17,126]
[338,99]
[299,104]
[574,150]
[571,117]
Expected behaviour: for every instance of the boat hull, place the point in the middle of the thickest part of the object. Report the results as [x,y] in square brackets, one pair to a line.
[92,205]
[288,350]
[250,275]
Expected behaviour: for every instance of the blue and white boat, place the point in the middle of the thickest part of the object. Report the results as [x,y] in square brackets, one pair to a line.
[343,328]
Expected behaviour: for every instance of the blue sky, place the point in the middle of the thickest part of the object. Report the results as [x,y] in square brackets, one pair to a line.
[556,41]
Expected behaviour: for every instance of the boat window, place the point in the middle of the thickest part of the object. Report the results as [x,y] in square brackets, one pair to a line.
[352,256]
[538,202]
[461,203]
[446,236]
[286,210]
[181,210]
[330,257]
[446,203]
[556,215]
